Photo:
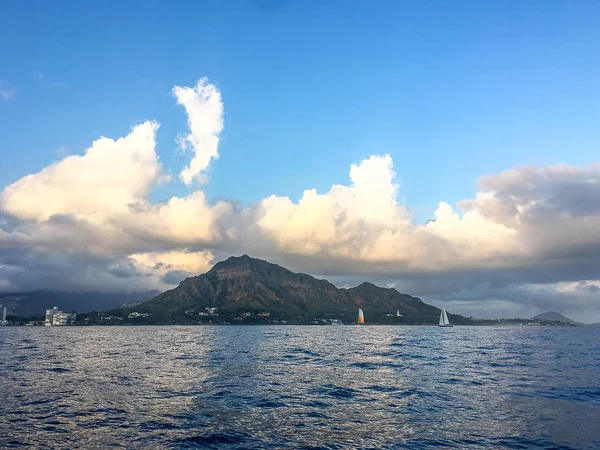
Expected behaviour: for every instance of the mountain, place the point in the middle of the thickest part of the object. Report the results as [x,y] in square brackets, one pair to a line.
[243,288]
[552,316]
[27,304]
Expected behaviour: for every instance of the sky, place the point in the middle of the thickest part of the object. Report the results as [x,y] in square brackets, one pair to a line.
[447,149]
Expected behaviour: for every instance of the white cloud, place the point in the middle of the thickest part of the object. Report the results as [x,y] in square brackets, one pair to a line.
[205,120]
[192,262]
[109,177]
[363,221]
[7,93]
[180,221]
[341,220]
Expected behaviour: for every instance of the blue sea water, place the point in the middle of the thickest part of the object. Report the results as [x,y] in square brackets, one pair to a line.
[299,387]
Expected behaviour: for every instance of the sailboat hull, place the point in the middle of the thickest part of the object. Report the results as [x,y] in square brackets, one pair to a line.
[446,326]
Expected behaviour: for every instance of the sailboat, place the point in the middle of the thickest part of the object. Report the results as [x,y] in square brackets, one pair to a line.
[361,317]
[444,322]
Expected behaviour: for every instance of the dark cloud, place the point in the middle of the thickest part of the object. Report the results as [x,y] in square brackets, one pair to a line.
[538,195]
[124,270]
[587,287]
[175,276]
[26,270]
[8,223]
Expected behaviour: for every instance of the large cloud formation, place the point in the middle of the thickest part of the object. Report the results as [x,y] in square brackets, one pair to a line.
[528,241]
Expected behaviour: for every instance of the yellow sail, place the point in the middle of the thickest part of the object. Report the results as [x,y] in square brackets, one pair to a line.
[361,317]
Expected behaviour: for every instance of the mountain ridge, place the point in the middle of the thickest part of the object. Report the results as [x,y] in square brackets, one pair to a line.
[553,316]
[241,286]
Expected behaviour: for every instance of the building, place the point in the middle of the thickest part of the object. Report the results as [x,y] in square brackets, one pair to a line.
[54,317]
[50,316]
[136,314]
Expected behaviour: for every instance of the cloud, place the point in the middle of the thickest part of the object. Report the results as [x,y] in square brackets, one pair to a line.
[26,270]
[338,221]
[204,108]
[110,176]
[364,222]
[175,276]
[554,210]
[194,262]
[180,221]
[7,93]
[527,241]
[587,287]
[172,267]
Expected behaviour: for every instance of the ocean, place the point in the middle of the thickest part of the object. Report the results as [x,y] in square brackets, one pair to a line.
[299,387]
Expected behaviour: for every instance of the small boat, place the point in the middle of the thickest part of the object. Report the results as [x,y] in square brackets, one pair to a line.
[444,322]
[361,317]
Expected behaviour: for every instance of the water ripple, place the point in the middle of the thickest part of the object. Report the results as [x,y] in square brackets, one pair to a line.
[299,387]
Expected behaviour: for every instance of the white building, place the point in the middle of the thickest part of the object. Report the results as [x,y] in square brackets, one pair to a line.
[54,317]
[135,314]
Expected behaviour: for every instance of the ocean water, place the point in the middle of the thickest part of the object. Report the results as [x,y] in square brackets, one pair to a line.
[299,387]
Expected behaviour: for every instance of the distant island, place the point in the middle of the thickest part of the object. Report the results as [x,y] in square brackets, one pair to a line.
[555,317]
[245,290]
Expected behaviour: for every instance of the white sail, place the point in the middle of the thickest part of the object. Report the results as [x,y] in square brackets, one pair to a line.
[361,316]
[444,322]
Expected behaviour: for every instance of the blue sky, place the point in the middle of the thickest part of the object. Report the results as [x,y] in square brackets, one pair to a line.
[451,90]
